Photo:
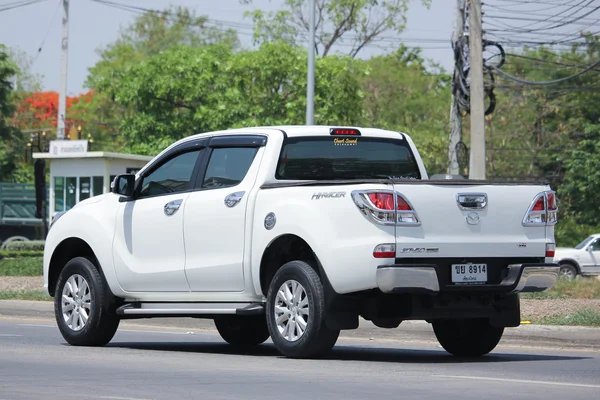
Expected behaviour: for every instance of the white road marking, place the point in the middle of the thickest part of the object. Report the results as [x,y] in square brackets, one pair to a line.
[483,378]
[9,335]
[119,330]
[121,398]
[38,325]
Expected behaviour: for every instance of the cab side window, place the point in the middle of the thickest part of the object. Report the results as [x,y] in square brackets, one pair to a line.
[173,176]
[228,166]
[595,246]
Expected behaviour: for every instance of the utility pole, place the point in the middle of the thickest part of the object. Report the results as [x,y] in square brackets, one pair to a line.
[62,98]
[455,117]
[477,151]
[310,85]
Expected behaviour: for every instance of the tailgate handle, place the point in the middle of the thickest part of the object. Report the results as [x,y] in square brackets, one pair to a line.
[471,201]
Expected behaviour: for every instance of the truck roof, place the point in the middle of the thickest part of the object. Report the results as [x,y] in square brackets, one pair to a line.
[302,130]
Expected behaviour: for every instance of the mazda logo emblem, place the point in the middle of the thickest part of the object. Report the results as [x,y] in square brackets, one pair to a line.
[472,218]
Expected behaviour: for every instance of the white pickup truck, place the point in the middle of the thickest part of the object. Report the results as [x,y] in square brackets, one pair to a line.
[293,233]
[583,259]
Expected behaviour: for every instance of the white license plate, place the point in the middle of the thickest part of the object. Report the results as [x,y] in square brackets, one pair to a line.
[469,273]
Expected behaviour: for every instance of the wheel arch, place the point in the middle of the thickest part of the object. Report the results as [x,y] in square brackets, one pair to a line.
[68,249]
[570,261]
[288,247]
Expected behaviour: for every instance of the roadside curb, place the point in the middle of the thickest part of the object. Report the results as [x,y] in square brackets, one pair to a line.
[524,335]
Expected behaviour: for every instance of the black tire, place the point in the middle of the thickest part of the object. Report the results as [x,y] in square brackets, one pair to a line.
[100,327]
[468,337]
[317,338]
[242,331]
[567,271]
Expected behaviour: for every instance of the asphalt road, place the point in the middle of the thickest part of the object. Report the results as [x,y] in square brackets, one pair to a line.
[145,362]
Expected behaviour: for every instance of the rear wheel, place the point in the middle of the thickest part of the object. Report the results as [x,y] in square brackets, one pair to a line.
[468,337]
[296,312]
[242,331]
[79,301]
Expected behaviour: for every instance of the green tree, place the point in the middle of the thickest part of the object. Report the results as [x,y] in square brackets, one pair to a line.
[403,92]
[352,24]
[148,35]
[187,90]
[534,123]
[11,138]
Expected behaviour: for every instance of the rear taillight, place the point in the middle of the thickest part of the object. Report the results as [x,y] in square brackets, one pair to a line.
[543,210]
[386,207]
[386,250]
[550,250]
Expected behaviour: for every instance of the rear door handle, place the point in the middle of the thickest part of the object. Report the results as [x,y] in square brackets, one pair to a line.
[172,207]
[472,201]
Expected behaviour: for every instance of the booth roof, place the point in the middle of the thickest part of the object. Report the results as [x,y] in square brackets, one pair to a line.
[96,154]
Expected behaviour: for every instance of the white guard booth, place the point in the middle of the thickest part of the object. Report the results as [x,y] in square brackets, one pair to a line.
[77,174]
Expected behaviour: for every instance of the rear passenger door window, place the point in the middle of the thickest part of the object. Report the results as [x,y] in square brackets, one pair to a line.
[228,166]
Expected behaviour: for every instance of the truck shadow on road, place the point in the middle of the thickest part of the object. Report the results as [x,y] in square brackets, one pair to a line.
[351,353]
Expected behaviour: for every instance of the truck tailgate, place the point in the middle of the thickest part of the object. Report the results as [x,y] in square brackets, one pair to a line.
[467,221]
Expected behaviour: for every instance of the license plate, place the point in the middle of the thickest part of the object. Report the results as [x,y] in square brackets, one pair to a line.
[469,273]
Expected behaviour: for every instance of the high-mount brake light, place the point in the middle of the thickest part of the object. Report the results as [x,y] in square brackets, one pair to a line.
[386,207]
[344,132]
[543,210]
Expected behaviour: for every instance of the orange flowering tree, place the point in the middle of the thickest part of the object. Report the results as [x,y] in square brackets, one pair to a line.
[39,110]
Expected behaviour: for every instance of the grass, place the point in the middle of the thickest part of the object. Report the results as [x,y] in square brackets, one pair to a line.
[25,266]
[583,317]
[580,288]
[25,295]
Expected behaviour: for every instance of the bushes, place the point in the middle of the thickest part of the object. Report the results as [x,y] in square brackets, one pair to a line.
[22,259]
[25,266]
[31,245]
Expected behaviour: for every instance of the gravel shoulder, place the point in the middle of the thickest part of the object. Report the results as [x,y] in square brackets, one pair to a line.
[21,283]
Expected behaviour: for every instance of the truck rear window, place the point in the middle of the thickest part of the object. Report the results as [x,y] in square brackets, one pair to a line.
[333,158]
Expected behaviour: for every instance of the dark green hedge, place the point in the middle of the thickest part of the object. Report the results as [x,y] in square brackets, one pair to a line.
[20,254]
[25,245]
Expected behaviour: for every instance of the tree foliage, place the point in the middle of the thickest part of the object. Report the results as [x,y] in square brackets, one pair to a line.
[10,137]
[148,35]
[351,24]
[403,92]
[188,90]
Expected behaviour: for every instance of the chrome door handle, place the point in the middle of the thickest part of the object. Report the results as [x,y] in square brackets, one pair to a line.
[472,201]
[232,199]
[172,207]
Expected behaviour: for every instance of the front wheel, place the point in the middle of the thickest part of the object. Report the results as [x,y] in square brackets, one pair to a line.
[296,312]
[79,305]
[242,331]
[567,271]
[467,337]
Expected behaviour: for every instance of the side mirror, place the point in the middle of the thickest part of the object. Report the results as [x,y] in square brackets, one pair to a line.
[123,185]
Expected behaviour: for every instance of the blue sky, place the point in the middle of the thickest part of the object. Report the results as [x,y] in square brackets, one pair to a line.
[93,26]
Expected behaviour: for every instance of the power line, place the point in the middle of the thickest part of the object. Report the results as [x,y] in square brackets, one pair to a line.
[47,32]
[15,5]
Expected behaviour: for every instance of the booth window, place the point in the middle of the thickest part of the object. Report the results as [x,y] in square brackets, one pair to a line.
[59,193]
[97,185]
[69,191]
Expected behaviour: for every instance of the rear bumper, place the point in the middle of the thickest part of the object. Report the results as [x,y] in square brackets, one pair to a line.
[426,278]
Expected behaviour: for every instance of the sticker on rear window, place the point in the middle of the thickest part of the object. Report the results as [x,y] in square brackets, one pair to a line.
[345,141]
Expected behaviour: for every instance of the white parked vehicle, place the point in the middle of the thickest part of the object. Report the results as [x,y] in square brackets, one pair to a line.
[583,260]
[293,233]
